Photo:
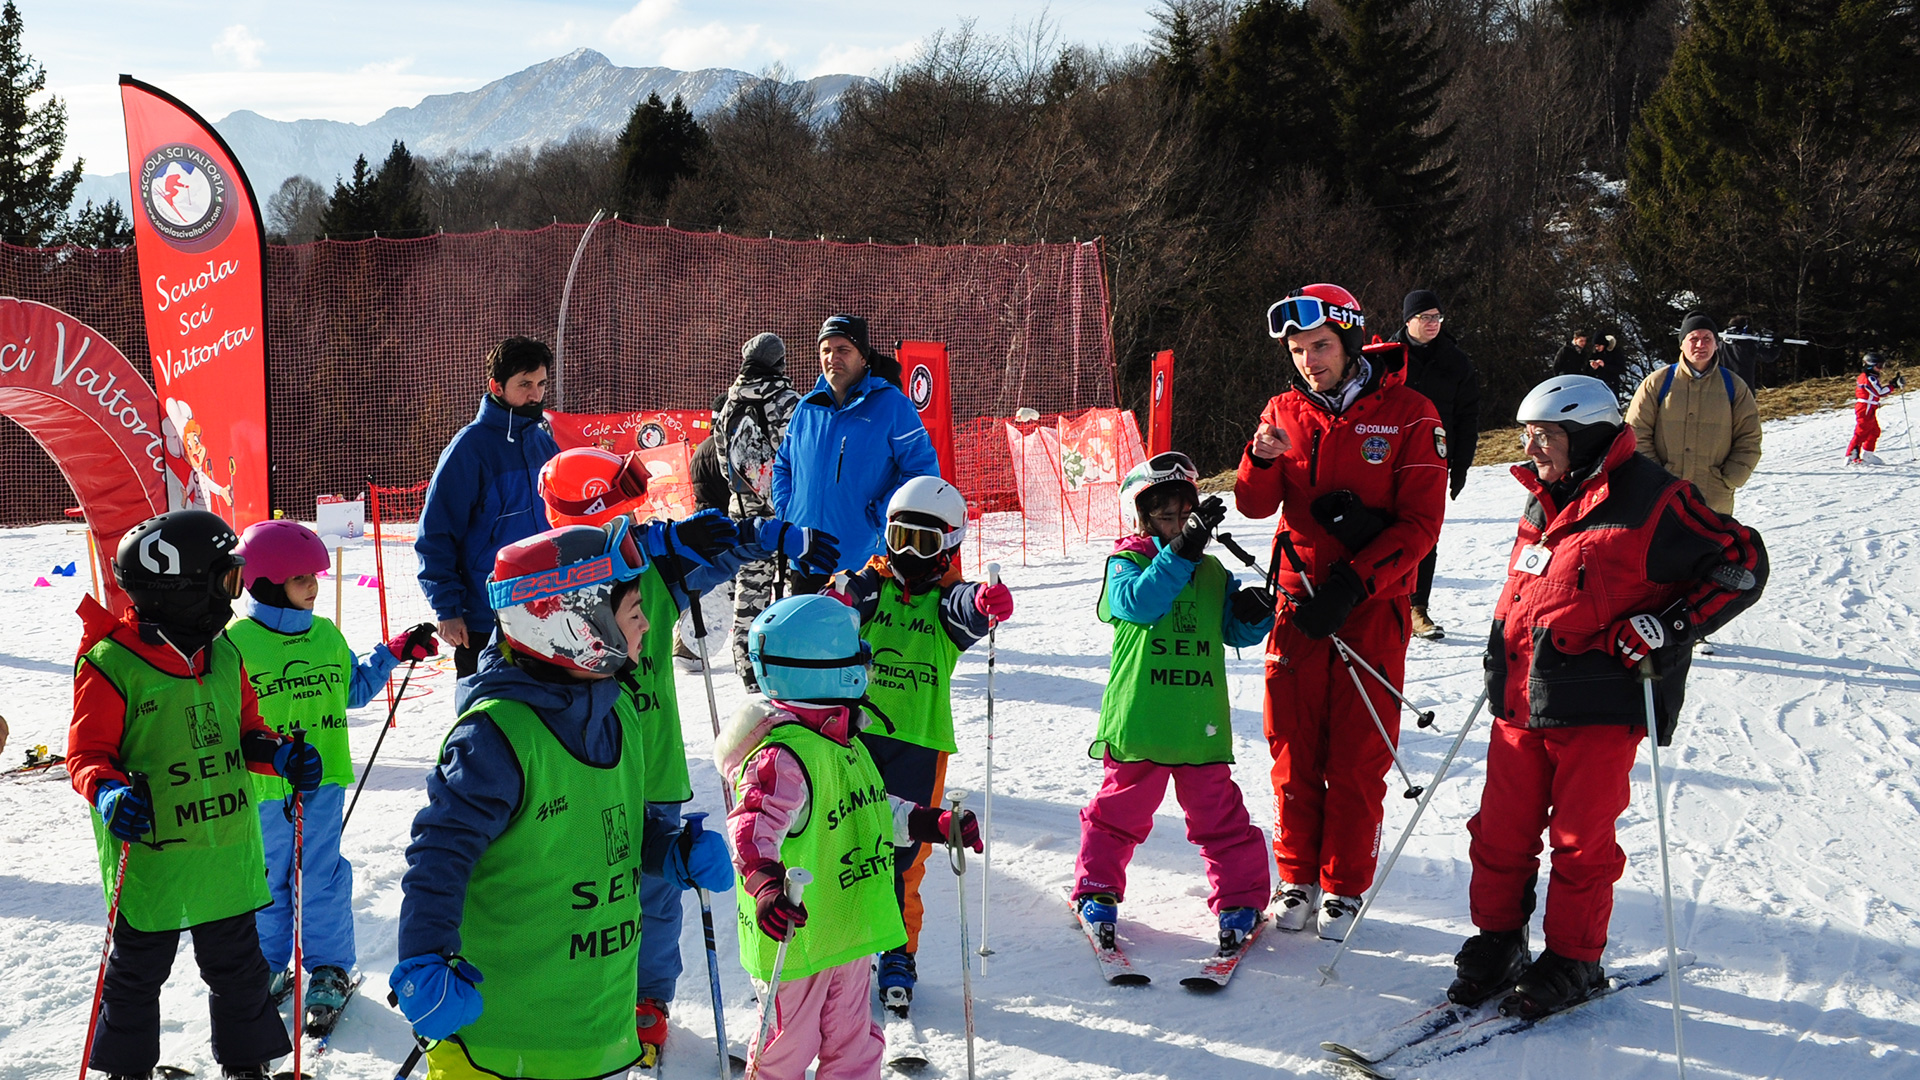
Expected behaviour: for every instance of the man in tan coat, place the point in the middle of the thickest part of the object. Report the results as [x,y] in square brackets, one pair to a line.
[1698,418]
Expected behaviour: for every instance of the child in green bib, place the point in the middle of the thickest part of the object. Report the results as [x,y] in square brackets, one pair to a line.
[305,677]
[1165,714]
[810,796]
[165,737]
[918,615]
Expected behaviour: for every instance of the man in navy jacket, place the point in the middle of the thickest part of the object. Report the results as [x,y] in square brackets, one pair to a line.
[485,495]
[853,440]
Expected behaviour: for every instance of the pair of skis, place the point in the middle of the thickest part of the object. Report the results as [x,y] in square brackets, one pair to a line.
[317,1030]
[1444,1029]
[1216,970]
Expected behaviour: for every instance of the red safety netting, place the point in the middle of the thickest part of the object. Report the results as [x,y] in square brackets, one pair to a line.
[376,347]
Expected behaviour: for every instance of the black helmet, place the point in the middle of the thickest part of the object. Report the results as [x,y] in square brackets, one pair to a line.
[1871,362]
[180,570]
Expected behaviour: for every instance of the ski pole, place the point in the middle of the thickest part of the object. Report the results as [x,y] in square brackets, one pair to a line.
[986,861]
[392,708]
[798,878]
[713,705]
[1666,875]
[1908,417]
[691,832]
[1329,970]
[957,858]
[106,947]
[1424,717]
[299,872]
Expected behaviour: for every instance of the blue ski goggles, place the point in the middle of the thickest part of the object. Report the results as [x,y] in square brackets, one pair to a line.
[1297,313]
[619,559]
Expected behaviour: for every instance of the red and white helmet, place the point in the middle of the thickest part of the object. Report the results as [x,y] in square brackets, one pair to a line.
[278,550]
[1317,305]
[553,594]
[589,486]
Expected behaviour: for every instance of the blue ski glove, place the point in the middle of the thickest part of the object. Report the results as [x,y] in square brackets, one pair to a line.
[299,763]
[708,534]
[813,550]
[701,861]
[127,815]
[438,996]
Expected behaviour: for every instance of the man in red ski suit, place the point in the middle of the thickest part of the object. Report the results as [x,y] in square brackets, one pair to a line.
[1356,464]
[1616,562]
[1868,393]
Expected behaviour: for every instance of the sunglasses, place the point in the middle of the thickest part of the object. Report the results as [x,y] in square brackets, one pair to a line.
[628,484]
[921,540]
[1297,313]
[620,560]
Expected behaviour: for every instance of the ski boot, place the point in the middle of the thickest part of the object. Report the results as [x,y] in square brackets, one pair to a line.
[1550,984]
[262,1071]
[897,976]
[1296,905]
[1337,914]
[280,987]
[327,991]
[1101,911]
[650,1020]
[1236,925]
[1489,962]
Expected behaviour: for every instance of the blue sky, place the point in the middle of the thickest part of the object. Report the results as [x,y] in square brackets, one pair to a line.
[354,59]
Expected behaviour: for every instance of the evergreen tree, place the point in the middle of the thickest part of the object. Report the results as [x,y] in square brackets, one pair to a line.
[1388,74]
[102,226]
[661,144]
[1263,100]
[351,214]
[1777,170]
[386,201]
[34,192]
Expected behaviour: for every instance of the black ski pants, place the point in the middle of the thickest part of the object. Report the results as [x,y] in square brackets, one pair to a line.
[247,1029]
[1423,584]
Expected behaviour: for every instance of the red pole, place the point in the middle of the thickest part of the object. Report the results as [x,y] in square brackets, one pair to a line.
[380,571]
[106,950]
[299,910]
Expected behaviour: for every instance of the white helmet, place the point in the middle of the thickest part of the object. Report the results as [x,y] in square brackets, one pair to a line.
[1572,401]
[934,500]
[1171,467]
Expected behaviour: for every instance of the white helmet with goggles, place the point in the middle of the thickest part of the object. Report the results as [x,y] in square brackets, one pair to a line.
[1171,467]
[926,517]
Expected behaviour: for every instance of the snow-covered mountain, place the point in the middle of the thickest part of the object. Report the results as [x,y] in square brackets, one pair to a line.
[547,102]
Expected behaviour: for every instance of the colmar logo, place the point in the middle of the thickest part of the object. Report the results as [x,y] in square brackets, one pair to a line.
[920,386]
[1376,429]
[151,544]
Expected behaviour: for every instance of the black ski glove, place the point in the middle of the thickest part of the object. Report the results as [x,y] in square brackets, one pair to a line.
[1192,541]
[1325,612]
[707,533]
[1252,606]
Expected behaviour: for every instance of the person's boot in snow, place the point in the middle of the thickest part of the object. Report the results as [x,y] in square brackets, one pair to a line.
[650,1021]
[1424,627]
[262,1071]
[1550,984]
[1102,911]
[1488,963]
[897,976]
[1296,903]
[1336,916]
[327,990]
[280,986]
[1235,924]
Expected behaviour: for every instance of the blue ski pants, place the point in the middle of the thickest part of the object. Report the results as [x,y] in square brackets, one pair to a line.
[326,888]
[660,910]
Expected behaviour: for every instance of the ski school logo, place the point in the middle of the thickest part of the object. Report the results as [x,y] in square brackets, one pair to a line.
[652,436]
[203,726]
[1440,441]
[185,195]
[613,825]
[920,386]
[1374,449]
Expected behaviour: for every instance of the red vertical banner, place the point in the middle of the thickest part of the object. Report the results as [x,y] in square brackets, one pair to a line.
[1160,405]
[202,254]
[923,365]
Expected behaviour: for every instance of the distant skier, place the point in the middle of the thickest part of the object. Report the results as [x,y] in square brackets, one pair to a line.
[160,693]
[919,615]
[1869,392]
[306,677]
[1616,562]
[1165,714]
[809,796]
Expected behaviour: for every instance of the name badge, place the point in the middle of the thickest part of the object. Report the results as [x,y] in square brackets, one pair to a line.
[1532,559]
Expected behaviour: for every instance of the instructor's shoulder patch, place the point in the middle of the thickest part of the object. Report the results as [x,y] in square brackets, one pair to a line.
[1440,441]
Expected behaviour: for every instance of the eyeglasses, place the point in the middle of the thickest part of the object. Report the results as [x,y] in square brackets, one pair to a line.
[1530,435]
[620,560]
[1308,312]
[1428,320]
[921,540]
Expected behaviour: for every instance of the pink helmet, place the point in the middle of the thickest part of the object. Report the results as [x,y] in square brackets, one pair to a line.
[278,550]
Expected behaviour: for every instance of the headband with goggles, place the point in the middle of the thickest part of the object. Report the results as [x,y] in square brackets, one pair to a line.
[1297,313]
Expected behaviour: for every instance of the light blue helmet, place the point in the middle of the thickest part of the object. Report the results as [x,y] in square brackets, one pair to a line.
[808,648]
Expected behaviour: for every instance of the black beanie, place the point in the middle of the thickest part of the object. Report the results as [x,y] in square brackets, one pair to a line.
[1698,320]
[851,327]
[1417,301]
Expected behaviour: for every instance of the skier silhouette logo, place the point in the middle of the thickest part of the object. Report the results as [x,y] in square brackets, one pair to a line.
[184,192]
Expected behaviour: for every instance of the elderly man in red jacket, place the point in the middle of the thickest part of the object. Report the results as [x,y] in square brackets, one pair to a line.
[1617,567]
[1356,464]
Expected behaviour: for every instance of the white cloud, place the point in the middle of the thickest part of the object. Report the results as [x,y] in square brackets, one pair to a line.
[558,37]
[638,26]
[239,43]
[862,60]
[717,45]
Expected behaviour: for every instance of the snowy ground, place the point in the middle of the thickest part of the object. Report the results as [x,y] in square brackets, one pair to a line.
[1796,827]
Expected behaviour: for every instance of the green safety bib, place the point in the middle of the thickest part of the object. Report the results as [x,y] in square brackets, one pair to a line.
[301,681]
[655,699]
[913,660]
[184,735]
[846,839]
[1166,697]
[552,916]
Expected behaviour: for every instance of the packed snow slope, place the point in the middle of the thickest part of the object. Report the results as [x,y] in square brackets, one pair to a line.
[1795,828]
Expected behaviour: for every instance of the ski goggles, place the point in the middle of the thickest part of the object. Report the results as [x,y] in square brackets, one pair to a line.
[1171,465]
[620,560]
[922,540]
[628,484]
[1297,313]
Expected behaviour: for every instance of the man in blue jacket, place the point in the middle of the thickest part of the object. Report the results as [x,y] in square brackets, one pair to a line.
[853,440]
[485,495]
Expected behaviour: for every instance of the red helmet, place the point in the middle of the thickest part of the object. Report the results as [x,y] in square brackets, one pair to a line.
[589,486]
[553,594]
[1313,306]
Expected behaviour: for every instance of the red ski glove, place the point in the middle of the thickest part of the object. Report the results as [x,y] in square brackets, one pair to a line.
[778,916]
[416,644]
[932,825]
[994,601]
